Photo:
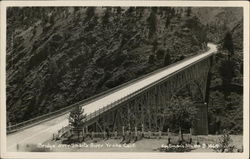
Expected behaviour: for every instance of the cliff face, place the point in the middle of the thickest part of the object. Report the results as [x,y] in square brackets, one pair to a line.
[58,56]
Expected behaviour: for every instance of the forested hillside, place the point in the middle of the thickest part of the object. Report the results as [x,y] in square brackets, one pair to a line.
[57,56]
[225,27]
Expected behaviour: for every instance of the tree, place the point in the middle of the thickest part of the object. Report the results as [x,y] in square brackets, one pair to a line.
[52,19]
[76,118]
[228,44]
[167,59]
[181,113]
[152,23]
[90,12]
[224,142]
[130,11]
[118,10]
[140,11]
[188,11]
[160,54]
[105,18]
[76,9]
[234,113]
[225,113]
[216,110]
[172,11]
[154,9]
[155,46]
[167,22]
[92,24]
[227,73]
[151,59]
[52,72]
[241,68]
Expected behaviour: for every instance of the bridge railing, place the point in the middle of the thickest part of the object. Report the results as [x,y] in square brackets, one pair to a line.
[121,100]
[37,120]
[49,116]
[52,115]
[111,105]
[125,98]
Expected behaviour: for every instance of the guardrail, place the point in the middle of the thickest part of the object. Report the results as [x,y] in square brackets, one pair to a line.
[113,104]
[52,115]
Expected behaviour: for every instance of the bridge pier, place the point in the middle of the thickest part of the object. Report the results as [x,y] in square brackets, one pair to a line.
[201,125]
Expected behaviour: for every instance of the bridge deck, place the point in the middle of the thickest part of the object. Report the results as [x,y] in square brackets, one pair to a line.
[43,131]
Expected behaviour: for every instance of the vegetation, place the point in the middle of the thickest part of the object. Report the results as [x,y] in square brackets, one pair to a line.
[228,44]
[76,120]
[73,53]
[189,10]
[167,59]
[225,143]
[152,23]
[90,12]
[181,114]
[226,100]
[57,56]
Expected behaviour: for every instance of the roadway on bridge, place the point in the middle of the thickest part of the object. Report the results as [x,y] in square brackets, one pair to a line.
[43,131]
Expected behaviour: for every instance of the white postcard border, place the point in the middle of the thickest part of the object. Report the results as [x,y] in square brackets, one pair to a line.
[112,155]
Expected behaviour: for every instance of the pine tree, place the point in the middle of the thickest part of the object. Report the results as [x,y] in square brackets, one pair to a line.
[167,22]
[154,9]
[118,10]
[52,72]
[172,11]
[52,19]
[227,73]
[228,44]
[224,141]
[76,9]
[105,18]
[155,46]
[90,12]
[76,118]
[130,11]
[152,23]
[52,67]
[160,54]
[188,11]
[151,59]
[167,59]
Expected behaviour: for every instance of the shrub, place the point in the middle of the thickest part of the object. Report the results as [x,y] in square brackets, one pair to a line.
[224,143]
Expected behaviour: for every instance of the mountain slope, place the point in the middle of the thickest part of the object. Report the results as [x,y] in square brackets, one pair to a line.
[58,56]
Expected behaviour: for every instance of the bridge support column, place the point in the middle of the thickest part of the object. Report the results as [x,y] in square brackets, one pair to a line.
[201,125]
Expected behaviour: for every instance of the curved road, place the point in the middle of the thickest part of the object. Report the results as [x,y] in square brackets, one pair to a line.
[43,131]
